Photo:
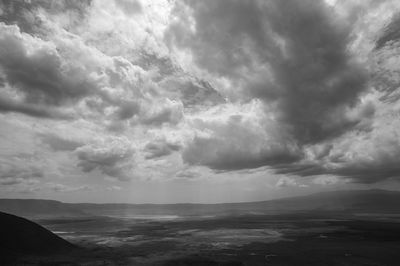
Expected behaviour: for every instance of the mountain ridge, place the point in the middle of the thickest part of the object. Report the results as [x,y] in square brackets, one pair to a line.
[374,200]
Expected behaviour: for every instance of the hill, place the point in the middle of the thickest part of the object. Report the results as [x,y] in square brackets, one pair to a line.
[20,237]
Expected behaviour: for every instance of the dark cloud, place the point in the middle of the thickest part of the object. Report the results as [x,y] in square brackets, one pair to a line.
[222,154]
[358,172]
[193,92]
[160,148]
[390,34]
[318,79]
[380,162]
[19,13]
[198,93]
[371,162]
[165,66]
[384,58]
[127,110]
[8,105]
[301,169]
[24,13]
[112,159]
[291,54]
[218,48]
[177,84]
[57,143]
[10,181]
[239,145]
[39,74]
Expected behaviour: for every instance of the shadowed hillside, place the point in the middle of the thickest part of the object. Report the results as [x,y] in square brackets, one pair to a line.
[21,237]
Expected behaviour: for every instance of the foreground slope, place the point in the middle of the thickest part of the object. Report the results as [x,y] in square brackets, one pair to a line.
[21,236]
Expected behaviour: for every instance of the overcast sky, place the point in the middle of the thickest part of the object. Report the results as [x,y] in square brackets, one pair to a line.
[197,100]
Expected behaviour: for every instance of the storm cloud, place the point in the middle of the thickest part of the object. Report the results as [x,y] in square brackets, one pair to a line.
[292,55]
[302,93]
[239,143]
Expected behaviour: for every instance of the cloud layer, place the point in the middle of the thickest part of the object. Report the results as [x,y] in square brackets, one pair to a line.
[302,92]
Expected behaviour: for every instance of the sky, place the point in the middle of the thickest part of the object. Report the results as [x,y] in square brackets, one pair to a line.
[197,101]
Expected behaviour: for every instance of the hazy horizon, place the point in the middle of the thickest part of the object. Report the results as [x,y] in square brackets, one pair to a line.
[205,203]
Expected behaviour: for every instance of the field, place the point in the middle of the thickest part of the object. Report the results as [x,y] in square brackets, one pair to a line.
[294,239]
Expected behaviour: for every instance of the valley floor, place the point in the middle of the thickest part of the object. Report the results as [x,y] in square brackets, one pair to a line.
[296,239]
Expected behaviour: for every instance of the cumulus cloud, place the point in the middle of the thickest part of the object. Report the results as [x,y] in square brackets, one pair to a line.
[325,180]
[40,76]
[390,34]
[160,148]
[299,59]
[35,110]
[239,143]
[384,61]
[223,154]
[112,157]
[193,93]
[369,161]
[286,182]
[37,70]
[57,143]
[362,159]
[167,111]
[290,54]
[127,110]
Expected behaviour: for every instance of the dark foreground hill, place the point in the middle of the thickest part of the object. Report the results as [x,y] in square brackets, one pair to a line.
[19,236]
[355,201]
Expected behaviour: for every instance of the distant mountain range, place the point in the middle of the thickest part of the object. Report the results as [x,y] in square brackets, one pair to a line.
[39,208]
[356,201]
